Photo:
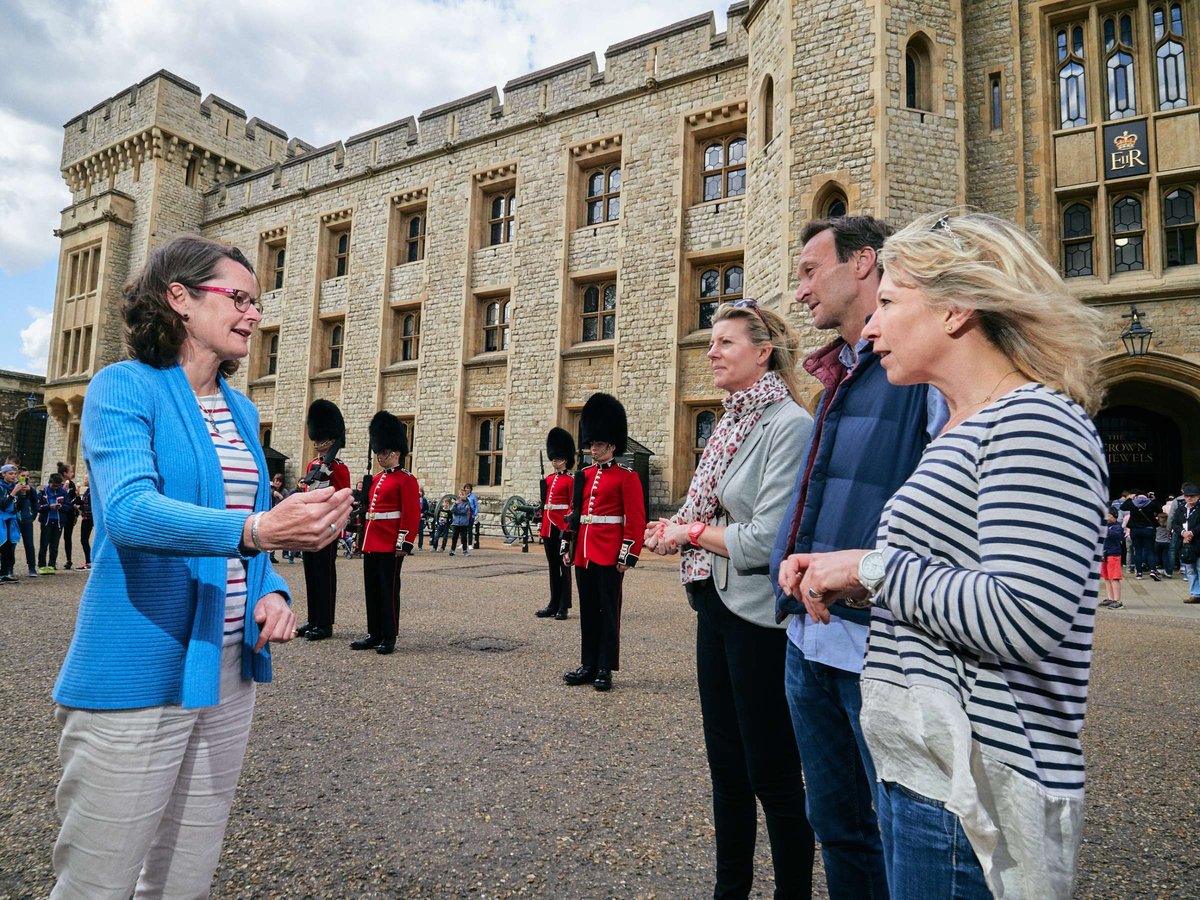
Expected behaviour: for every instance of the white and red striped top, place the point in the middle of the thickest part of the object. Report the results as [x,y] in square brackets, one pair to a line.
[241,485]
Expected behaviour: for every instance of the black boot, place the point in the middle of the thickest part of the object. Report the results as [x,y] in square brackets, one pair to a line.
[603,680]
[386,646]
[545,613]
[304,629]
[582,675]
[367,643]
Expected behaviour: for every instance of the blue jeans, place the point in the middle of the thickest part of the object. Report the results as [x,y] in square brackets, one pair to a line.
[838,775]
[1143,548]
[1192,572]
[927,852]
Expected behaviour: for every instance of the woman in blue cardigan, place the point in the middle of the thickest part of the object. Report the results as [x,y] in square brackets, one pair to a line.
[156,694]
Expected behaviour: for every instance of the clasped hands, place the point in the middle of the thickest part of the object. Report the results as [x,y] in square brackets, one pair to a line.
[818,580]
[665,537]
[307,520]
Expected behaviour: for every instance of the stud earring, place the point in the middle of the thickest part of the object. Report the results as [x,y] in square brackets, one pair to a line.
[949,328]
[185,317]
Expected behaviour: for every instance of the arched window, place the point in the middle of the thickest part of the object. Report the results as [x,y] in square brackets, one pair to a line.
[278,264]
[832,203]
[702,429]
[273,353]
[766,108]
[599,311]
[718,284]
[501,214]
[495,325]
[918,73]
[1169,56]
[341,256]
[336,333]
[603,194]
[1077,240]
[1072,85]
[490,452]
[410,336]
[1179,227]
[266,437]
[1119,66]
[1128,234]
[724,167]
[414,236]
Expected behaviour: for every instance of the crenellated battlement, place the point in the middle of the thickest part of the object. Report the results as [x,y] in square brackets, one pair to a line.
[161,116]
[643,63]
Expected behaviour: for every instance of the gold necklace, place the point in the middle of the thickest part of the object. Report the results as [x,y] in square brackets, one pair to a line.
[971,410]
[988,399]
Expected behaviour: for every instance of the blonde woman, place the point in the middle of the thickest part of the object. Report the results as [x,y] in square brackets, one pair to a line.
[985,575]
[726,530]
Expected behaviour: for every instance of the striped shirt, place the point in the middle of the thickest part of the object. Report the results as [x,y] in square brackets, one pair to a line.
[976,673]
[241,484]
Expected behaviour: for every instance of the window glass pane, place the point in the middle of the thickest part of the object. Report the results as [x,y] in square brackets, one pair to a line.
[1077,259]
[497,236]
[1126,31]
[274,344]
[512,204]
[610,327]
[1077,221]
[500,434]
[837,207]
[705,423]
[1061,39]
[1172,76]
[1127,215]
[1077,41]
[506,308]
[1181,246]
[344,242]
[614,180]
[1176,19]
[591,330]
[409,325]
[499,473]
[910,81]
[710,280]
[1127,254]
[712,187]
[591,299]
[614,209]
[1110,34]
[737,151]
[493,313]
[595,184]
[1160,24]
[498,206]
[714,156]
[414,226]
[335,358]
[1179,207]
[1122,100]
[707,311]
[737,182]
[733,280]
[595,212]
[484,475]
[610,296]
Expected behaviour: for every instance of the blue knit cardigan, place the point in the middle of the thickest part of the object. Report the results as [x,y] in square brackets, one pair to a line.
[151,621]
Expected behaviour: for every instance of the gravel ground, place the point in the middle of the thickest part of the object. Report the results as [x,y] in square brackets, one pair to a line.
[463,766]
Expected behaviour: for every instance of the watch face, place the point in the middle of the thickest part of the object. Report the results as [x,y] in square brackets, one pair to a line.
[872,567]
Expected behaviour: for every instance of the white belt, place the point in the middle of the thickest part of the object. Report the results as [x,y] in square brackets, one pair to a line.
[602,520]
[371,516]
[558,506]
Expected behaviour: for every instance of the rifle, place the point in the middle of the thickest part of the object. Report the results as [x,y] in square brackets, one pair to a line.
[572,533]
[542,483]
[325,469]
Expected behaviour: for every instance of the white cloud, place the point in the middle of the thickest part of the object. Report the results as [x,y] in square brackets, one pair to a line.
[35,339]
[31,192]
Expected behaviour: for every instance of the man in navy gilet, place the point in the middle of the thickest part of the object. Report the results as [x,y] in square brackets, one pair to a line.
[867,440]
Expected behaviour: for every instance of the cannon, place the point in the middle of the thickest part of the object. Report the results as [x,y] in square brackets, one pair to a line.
[516,520]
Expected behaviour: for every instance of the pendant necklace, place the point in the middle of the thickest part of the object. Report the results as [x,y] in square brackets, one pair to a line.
[959,419]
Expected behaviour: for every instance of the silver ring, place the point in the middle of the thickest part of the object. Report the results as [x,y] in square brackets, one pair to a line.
[333,525]
[813,594]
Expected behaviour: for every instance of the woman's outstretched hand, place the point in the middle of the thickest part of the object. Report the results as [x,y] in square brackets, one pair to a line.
[306,520]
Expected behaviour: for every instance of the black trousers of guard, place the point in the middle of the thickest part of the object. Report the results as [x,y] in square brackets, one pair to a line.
[381,581]
[600,616]
[560,574]
[320,582]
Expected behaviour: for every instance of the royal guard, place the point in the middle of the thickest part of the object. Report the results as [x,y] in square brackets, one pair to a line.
[391,518]
[604,538]
[556,500]
[327,431]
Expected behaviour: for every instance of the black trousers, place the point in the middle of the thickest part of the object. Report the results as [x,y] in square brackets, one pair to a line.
[320,583]
[599,616]
[461,533]
[8,558]
[68,529]
[48,547]
[560,574]
[381,580]
[27,540]
[751,748]
[85,539]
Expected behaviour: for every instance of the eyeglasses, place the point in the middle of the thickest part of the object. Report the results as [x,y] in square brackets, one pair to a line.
[749,303]
[240,299]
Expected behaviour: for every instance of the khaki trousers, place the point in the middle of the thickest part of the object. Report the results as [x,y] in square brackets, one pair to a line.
[145,793]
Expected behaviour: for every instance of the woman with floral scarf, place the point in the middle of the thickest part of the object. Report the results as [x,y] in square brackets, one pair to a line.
[724,532]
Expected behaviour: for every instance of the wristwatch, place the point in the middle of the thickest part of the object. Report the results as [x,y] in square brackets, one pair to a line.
[694,531]
[871,571]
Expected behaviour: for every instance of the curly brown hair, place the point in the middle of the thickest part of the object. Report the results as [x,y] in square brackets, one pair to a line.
[154,332]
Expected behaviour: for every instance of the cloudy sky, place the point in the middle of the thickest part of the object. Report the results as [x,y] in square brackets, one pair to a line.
[319,70]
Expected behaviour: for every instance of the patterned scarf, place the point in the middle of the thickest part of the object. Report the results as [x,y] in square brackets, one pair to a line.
[743,409]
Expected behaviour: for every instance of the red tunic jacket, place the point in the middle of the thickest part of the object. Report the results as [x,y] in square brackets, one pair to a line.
[558,501]
[610,491]
[393,512]
[337,478]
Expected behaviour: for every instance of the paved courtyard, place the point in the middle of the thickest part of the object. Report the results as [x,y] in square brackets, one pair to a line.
[463,766]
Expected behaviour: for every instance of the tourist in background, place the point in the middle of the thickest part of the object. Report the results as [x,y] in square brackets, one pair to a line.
[52,499]
[725,531]
[10,527]
[443,521]
[175,620]
[1110,567]
[460,521]
[26,504]
[85,523]
[977,666]
[1141,524]
[69,513]
[1186,520]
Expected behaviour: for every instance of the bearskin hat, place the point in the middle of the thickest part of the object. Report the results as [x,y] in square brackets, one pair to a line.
[603,419]
[388,433]
[325,422]
[560,445]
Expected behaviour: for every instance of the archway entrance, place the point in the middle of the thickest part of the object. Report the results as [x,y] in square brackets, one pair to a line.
[1150,423]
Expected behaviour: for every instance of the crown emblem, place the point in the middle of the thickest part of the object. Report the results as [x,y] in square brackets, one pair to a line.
[1125,140]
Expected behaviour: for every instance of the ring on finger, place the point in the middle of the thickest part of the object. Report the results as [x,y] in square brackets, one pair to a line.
[816,595]
[333,527]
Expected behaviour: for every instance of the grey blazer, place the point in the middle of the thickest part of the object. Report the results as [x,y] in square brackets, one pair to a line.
[754,494]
